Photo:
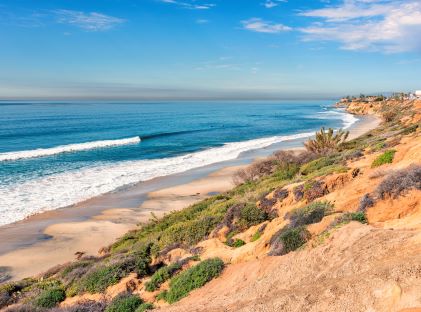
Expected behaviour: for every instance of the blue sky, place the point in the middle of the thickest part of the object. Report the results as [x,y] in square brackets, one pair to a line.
[159,49]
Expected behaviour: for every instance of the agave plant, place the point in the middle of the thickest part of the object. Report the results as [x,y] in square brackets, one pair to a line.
[326,142]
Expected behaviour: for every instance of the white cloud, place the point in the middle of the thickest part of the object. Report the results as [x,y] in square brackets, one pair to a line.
[269,4]
[372,25]
[190,5]
[89,21]
[259,25]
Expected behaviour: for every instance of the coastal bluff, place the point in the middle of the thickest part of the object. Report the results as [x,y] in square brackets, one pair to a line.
[334,228]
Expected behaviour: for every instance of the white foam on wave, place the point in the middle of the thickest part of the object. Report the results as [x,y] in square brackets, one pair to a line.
[347,119]
[43,152]
[59,190]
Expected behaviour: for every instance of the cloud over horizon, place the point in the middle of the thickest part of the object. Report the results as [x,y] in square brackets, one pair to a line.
[368,25]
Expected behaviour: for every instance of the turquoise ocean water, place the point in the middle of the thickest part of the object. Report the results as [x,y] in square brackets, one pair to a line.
[55,154]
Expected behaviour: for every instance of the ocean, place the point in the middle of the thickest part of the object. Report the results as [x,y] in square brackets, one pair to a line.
[55,154]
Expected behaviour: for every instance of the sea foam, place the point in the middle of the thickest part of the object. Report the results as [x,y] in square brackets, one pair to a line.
[43,152]
[347,119]
[21,200]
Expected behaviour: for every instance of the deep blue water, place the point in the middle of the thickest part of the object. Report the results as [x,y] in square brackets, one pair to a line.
[175,136]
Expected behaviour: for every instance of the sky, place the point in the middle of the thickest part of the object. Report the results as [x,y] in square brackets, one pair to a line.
[208,49]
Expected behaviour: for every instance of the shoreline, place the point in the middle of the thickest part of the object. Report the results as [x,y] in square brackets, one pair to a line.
[42,241]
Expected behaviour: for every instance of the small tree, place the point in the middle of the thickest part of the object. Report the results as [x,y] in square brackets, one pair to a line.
[326,142]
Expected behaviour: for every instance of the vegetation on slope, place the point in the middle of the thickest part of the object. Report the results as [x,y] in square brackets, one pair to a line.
[141,251]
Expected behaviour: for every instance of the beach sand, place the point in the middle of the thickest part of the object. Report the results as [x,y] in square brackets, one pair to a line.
[89,236]
[58,242]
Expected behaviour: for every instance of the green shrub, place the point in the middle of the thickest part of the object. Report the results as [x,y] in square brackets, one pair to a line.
[145,307]
[50,298]
[256,236]
[162,295]
[312,213]
[385,158]
[161,230]
[251,215]
[190,232]
[314,189]
[286,172]
[317,164]
[236,243]
[162,275]
[124,303]
[326,142]
[348,217]
[102,277]
[288,239]
[195,277]
[358,216]
[379,146]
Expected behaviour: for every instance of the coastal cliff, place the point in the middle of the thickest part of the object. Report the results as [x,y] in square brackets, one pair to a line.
[338,230]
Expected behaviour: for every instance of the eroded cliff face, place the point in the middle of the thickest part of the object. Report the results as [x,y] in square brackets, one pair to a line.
[354,267]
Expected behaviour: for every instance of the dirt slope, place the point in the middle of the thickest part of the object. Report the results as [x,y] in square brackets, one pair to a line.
[360,268]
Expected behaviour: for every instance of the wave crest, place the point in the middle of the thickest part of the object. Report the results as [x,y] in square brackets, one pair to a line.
[67,188]
[43,152]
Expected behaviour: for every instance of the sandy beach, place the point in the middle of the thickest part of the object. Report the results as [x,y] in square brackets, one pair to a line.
[62,233]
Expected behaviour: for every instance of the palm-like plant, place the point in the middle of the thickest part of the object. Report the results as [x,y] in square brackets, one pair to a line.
[326,142]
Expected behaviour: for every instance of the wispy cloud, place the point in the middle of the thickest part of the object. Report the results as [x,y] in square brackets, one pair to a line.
[92,21]
[193,5]
[269,4]
[260,25]
[389,26]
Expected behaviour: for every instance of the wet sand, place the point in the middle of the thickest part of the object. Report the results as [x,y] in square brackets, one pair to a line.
[40,242]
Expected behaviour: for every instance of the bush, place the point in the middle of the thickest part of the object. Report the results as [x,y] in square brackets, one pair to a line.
[389,115]
[84,306]
[326,142]
[255,171]
[348,217]
[385,158]
[409,130]
[251,215]
[256,236]
[144,307]
[162,275]
[190,232]
[182,284]
[236,243]
[309,214]
[365,202]
[286,172]
[50,298]
[9,292]
[314,189]
[316,165]
[124,303]
[24,308]
[298,192]
[294,158]
[100,278]
[288,239]
[399,182]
